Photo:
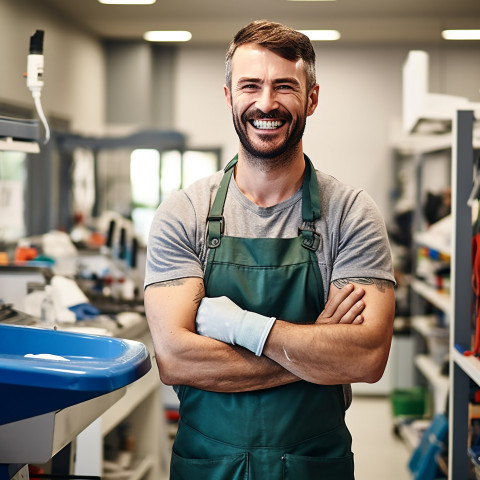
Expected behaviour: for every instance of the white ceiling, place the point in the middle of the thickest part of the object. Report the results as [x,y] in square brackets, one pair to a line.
[215,21]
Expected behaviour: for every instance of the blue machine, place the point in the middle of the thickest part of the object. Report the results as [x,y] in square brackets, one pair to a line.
[46,374]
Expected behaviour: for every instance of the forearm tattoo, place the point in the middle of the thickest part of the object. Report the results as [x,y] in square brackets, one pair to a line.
[179,282]
[169,283]
[381,284]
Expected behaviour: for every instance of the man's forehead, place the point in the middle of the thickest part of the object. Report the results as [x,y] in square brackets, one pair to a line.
[253,58]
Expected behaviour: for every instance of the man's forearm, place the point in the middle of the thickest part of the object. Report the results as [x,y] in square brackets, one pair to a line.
[324,354]
[337,353]
[215,366]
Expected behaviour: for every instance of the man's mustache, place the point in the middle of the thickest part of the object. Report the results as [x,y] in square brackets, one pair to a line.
[257,114]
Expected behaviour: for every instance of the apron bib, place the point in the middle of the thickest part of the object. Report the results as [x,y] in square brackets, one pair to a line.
[296,431]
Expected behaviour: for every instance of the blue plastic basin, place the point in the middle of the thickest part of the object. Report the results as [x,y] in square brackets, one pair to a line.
[93,366]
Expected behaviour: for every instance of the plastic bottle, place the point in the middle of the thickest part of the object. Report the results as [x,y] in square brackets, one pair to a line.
[47,315]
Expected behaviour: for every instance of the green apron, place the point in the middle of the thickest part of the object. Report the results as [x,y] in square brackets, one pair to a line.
[296,431]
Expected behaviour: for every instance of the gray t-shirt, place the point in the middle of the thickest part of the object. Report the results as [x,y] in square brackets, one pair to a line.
[354,239]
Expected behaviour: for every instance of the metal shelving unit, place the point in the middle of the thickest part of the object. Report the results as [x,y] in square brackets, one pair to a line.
[462,369]
[420,150]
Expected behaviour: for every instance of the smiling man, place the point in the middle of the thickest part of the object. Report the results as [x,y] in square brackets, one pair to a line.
[269,286]
[266,130]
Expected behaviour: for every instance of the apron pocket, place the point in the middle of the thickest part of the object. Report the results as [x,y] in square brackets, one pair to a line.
[231,467]
[312,468]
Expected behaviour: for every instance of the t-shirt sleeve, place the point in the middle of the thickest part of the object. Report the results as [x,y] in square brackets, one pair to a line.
[363,246]
[172,250]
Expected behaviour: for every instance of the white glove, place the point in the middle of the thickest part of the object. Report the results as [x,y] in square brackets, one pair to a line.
[223,320]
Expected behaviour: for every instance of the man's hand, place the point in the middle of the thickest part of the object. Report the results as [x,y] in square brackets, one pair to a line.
[223,320]
[346,306]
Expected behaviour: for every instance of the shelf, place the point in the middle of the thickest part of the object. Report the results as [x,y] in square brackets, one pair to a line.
[433,242]
[418,144]
[431,372]
[439,382]
[10,145]
[438,298]
[409,436]
[423,324]
[470,365]
[411,432]
[438,236]
[140,467]
[19,135]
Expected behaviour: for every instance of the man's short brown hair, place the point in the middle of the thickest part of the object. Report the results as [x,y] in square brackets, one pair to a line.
[284,41]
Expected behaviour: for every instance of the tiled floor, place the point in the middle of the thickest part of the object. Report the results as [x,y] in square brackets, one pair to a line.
[379,454]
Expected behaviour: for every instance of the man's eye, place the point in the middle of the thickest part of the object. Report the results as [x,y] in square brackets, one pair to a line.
[284,87]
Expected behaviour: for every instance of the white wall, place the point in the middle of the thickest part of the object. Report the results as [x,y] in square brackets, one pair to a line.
[359,105]
[74,65]
[200,110]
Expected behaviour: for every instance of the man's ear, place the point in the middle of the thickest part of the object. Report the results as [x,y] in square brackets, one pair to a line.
[312,99]
[228,96]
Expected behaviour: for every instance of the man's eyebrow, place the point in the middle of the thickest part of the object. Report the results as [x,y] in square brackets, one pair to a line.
[291,80]
[249,80]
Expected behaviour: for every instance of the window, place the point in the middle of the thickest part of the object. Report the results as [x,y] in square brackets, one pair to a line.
[154,176]
[12,180]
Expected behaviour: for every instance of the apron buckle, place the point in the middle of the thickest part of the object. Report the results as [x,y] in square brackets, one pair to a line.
[217,218]
[215,230]
[311,239]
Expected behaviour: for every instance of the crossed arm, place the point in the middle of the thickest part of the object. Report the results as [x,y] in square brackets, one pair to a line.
[185,358]
[342,352]
[349,342]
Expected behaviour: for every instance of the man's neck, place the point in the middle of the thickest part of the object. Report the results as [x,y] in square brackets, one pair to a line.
[270,185]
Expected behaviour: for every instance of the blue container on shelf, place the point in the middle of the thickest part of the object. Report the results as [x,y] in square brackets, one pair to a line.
[43,370]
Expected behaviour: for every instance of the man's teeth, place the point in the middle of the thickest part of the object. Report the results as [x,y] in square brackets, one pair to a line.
[267,124]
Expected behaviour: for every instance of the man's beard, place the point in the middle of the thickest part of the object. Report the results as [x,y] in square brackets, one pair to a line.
[267,156]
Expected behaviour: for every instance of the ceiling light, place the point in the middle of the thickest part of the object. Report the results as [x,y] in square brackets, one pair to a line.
[321,35]
[127,2]
[167,36]
[311,0]
[461,34]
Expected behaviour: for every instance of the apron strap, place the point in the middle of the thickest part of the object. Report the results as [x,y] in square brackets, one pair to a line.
[215,221]
[311,208]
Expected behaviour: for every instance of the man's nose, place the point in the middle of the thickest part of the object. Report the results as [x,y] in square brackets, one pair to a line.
[267,100]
